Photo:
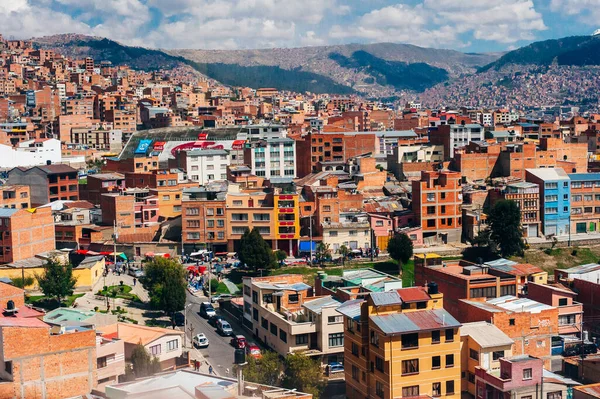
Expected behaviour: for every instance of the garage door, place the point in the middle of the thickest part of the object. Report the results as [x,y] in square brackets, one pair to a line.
[550,230]
[580,228]
[532,230]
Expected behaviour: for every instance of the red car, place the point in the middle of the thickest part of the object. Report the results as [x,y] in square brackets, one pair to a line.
[253,350]
[238,342]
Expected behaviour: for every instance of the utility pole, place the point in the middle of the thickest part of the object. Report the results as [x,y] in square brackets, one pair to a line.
[115,237]
[311,236]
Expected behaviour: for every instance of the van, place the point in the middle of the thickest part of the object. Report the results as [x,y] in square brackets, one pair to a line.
[207,310]
[224,328]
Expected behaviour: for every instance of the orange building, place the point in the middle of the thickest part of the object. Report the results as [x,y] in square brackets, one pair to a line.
[204,223]
[25,233]
[15,197]
[339,147]
[437,202]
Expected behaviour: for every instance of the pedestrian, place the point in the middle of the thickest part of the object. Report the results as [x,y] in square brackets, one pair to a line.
[210,369]
[173,323]
[197,365]
[134,281]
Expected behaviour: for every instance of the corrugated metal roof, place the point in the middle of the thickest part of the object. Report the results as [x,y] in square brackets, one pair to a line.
[7,212]
[423,320]
[351,308]
[485,334]
[590,267]
[413,294]
[317,305]
[386,298]
[514,304]
[584,176]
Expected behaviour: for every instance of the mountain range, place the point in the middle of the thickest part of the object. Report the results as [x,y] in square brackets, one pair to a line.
[380,70]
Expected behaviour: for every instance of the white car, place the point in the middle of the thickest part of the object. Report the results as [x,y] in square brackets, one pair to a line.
[200,341]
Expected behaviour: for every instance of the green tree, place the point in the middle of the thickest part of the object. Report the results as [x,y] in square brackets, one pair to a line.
[505,225]
[255,251]
[57,282]
[482,248]
[344,251]
[304,374]
[280,256]
[323,252]
[165,282]
[143,364]
[400,248]
[20,283]
[267,370]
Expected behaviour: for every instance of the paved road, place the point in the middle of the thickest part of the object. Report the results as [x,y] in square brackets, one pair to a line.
[219,352]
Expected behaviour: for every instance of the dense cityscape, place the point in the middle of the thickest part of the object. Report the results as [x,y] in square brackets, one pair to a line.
[163,234]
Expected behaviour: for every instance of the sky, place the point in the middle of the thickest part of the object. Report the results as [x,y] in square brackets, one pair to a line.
[464,25]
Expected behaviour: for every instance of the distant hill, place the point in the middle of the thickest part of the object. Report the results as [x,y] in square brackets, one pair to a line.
[568,51]
[376,70]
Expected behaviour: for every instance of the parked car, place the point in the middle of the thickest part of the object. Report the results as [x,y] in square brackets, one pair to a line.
[335,367]
[200,341]
[207,310]
[238,342]
[253,350]
[213,320]
[136,272]
[178,318]
[217,298]
[224,328]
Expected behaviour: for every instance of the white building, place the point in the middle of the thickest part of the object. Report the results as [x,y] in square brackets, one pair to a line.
[461,135]
[204,166]
[30,153]
[272,158]
[262,132]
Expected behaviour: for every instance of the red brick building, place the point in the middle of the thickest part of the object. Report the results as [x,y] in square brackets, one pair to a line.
[437,200]
[47,183]
[339,147]
[25,233]
[15,197]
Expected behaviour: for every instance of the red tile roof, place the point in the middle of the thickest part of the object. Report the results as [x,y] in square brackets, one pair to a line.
[414,294]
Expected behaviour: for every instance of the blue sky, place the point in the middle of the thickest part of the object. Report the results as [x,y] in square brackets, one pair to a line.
[465,25]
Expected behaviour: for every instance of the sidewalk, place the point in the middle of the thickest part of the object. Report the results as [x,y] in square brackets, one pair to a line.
[113,279]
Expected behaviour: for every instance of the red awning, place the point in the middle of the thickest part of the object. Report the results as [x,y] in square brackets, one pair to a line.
[202,136]
[81,252]
[238,145]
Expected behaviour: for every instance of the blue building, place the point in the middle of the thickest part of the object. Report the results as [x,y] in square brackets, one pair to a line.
[555,199]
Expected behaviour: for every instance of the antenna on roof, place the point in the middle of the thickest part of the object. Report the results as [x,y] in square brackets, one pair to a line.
[444,319]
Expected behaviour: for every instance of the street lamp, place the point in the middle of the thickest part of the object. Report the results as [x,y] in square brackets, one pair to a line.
[185,322]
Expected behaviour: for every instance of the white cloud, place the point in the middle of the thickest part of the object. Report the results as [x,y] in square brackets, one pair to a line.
[587,10]
[311,38]
[441,22]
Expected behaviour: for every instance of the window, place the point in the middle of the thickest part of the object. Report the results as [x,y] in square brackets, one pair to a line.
[353,233]
[355,373]
[554,395]
[496,355]
[551,210]
[255,314]
[293,298]
[254,296]
[566,320]
[302,339]
[282,335]
[374,338]
[430,197]
[408,392]
[435,337]
[350,325]
[172,345]
[449,387]
[431,210]
[335,319]
[527,374]
[354,349]
[511,322]
[436,389]
[471,378]
[563,302]
[488,292]
[237,203]
[550,185]
[336,339]
[379,389]
[379,363]
[155,350]
[449,335]
[551,198]
[101,362]
[577,198]
[473,354]
[273,329]
[192,211]
[430,222]
[436,362]
[449,360]
[410,341]
[410,366]
[327,208]
[333,233]
[264,323]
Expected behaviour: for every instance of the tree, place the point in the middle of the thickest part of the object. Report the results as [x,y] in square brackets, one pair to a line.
[57,282]
[304,374]
[323,252]
[400,248]
[280,256]
[255,251]
[20,283]
[143,364]
[505,225]
[165,282]
[344,251]
[267,370]
[482,248]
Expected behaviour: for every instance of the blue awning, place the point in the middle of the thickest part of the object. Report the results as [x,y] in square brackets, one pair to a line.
[304,246]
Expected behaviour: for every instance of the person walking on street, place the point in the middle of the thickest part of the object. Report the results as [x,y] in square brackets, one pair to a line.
[134,281]
[210,370]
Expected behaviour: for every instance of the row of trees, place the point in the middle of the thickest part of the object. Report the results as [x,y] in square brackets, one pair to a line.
[295,371]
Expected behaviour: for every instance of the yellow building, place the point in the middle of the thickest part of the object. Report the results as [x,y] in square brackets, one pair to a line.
[87,273]
[482,344]
[401,343]
[169,201]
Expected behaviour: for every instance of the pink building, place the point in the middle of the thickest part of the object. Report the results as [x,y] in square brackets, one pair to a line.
[110,359]
[518,377]
[147,210]
[570,312]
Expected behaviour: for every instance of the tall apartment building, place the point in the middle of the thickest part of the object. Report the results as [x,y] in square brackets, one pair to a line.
[585,202]
[48,183]
[25,233]
[437,201]
[456,136]
[272,158]
[203,219]
[203,166]
[281,312]
[100,139]
[338,147]
[527,196]
[401,343]
[555,199]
